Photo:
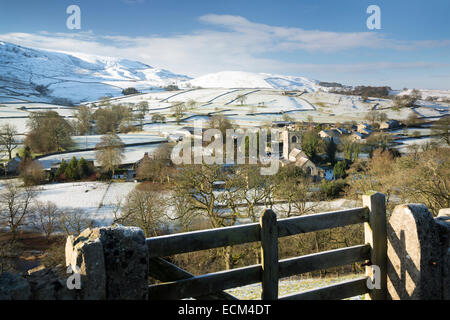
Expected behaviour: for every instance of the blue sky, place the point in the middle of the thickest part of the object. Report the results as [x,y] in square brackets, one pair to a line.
[325,40]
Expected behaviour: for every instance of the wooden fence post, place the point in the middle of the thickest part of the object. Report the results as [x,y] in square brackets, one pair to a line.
[269,255]
[375,232]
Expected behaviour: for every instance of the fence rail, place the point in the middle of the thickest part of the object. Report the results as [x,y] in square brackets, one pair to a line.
[179,284]
[215,238]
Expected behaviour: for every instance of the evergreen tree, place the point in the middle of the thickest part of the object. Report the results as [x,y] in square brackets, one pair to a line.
[27,154]
[339,169]
[71,170]
[311,143]
[62,168]
[330,148]
[83,168]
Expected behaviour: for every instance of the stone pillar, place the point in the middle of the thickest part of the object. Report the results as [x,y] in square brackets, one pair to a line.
[443,222]
[415,260]
[126,263]
[112,262]
[85,256]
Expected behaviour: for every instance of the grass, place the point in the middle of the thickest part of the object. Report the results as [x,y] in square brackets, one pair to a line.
[321,104]
[32,247]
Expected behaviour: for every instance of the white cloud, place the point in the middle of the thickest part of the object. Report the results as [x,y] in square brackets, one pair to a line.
[229,43]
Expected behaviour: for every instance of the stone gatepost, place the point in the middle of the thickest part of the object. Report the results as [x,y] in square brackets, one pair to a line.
[417,255]
[443,221]
[112,263]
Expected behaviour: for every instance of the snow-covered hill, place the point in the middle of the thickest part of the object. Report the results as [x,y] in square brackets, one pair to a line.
[41,75]
[239,79]
[37,75]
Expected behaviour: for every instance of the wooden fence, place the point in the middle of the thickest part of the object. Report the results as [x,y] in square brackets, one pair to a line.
[179,284]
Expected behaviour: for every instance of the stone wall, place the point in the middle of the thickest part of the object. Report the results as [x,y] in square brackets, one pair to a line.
[102,263]
[418,254]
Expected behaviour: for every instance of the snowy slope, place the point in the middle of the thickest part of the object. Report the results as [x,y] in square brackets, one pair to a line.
[239,79]
[77,77]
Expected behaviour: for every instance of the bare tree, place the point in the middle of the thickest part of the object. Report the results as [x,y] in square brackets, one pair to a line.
[371,116]
[110,152]
[195,196]
[191,104]
[142,109]
[8,138]
[247,190]
[293,187]
[220,122]
[73,222]
[45,218]
[144,209]
[83,120]
[15,207]
[178,110]
[242,98]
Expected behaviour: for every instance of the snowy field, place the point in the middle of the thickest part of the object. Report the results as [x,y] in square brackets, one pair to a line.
[98,200]
[260,108]
[94,198]
[406,144]
[130,138]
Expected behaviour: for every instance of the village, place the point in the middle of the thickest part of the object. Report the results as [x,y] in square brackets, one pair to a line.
[197,151]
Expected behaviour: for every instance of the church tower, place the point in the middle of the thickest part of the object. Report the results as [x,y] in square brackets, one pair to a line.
[291,140]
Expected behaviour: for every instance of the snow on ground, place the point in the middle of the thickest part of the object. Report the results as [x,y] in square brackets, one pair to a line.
[203,95]
[17,113]
[231,79]
[406,144]
[291,286]
[86,196]
[74,76]
[19,123]
[129,138]
[132,154]
[425,93]
[239,79]
[411,131]
[12,111]
[431,111]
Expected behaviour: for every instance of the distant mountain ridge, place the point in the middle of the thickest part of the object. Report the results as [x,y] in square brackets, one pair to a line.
[38,75]
[43,75]
[240,79]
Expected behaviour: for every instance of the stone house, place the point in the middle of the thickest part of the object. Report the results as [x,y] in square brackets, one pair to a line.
[12,166]
[390,124]
[292,153]
[302,161]
[364,128]
[358,136]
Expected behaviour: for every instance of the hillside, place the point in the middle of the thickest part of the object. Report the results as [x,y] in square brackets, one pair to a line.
[35,75]
[40,75]
[239,79]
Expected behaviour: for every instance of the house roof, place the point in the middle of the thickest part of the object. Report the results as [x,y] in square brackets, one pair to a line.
[296,154]
[358,134]
[302,161]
